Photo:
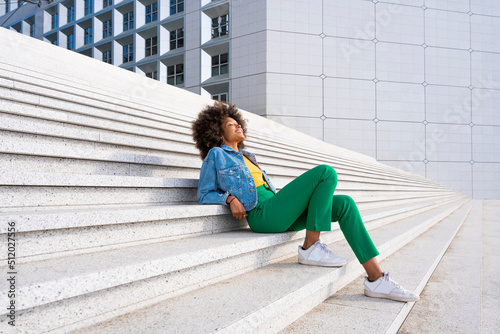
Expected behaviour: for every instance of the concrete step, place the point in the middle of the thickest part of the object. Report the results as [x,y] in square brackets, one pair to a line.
[164,141]
[264,300]
[41,190]
[33,178]
[105,122]
[349,311]
[464,285]
[60,85]
[49,234]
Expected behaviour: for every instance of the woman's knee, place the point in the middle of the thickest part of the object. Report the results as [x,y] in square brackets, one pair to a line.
[327,171]
[344,202]
[347,200]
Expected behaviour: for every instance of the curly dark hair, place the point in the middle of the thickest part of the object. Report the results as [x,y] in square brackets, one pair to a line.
[207,129]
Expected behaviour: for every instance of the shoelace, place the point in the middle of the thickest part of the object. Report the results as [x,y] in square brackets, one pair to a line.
[324,249]
[387,277]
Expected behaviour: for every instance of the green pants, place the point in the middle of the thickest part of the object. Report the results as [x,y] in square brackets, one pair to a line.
[308,203]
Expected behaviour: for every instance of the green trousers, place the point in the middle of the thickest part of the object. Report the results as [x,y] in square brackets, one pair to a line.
[308,203]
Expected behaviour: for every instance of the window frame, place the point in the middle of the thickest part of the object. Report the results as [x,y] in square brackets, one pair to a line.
[129,55]
[176,75]
[218,95]
[152,48]
[128,21]
[220,64]
[107,28]
[88,6]
[71,42]
[153,12]
[177,41]
[107,57]
[176,6]
[217,29]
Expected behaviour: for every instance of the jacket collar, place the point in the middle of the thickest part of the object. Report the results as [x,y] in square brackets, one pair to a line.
[244,152]
[227,148]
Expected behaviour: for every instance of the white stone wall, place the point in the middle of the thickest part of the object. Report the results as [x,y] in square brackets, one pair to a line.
[415,84]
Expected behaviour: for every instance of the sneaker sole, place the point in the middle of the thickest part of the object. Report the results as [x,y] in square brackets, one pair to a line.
[384,296]
[322,264]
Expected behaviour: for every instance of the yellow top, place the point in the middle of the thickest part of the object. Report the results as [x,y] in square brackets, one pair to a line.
[256,173]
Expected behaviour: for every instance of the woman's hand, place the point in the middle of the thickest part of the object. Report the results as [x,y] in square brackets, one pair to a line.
[237,208]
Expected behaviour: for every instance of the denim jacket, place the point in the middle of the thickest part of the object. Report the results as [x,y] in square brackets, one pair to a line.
[225,173]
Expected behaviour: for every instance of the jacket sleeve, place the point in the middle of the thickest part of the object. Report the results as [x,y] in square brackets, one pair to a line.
[208,192]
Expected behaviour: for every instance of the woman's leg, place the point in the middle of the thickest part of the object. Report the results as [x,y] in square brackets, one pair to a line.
[310,239]
[373,269]
[345,211]
[308,197]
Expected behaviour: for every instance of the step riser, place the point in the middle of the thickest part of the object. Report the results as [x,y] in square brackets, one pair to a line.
[62,196]
[85,133]
[24,80]
[25,144]
[30,163]
[41,245]
[30,125]
[92,134]
[43,195]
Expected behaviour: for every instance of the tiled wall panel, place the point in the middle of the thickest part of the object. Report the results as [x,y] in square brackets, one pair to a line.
[413,83]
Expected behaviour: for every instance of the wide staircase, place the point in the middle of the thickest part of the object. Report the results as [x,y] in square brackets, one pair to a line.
[99,175]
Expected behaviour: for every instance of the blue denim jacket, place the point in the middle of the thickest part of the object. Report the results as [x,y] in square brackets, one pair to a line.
[225,173]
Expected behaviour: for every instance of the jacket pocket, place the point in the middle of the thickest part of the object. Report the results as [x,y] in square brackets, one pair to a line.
[231,178]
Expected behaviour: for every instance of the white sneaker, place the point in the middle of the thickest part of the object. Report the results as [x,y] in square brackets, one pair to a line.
[319,255]
[385,287]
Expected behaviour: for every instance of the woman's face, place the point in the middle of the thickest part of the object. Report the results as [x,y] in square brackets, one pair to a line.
[232,131]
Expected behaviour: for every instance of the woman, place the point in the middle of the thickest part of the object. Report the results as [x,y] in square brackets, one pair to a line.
[231,176]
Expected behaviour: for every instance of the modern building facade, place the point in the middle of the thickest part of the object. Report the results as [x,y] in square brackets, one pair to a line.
[415,84]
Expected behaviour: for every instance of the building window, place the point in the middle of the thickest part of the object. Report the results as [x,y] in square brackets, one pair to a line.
[71,42]
[7,6]
[219,64]
[55,20]
[55,42]
[128,21]
[220,26]
[152,75]
[151,46]
[107,3]
[107,29]
[152,12]
[32,30]
[89,7]
[106,57]
[177,39]
[175,74]
[220,97]
[176,6]
[88,35]
[128,53]
[71,13]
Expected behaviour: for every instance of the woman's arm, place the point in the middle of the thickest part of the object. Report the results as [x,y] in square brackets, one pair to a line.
[208,192]
[237,209]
